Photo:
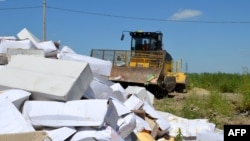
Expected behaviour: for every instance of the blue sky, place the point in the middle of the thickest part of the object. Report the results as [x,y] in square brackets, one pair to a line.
[209,36]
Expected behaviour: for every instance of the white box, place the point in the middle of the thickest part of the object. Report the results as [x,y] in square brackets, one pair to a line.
[71,113]
[18,51]
[26,34]
[60,134]
[46,79]
[98,66]
[120,118]
[24,44]
[142,93]
[16,96]
[11,120]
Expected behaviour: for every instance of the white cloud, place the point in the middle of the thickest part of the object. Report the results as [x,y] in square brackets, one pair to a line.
[186,13]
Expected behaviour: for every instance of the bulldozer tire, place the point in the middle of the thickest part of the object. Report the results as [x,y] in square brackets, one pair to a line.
[157,91]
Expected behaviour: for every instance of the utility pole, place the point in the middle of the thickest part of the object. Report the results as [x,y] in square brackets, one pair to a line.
[44,20]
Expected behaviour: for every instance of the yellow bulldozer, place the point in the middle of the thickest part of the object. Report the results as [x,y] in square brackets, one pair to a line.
[145,64]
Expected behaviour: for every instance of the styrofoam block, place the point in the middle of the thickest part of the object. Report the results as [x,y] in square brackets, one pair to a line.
[11,120]
[47,79]
[71,113]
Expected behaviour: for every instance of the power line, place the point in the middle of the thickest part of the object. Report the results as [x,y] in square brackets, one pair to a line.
[147,19]
[20,8]
[129,17]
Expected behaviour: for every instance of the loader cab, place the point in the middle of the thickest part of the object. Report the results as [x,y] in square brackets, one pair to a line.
[146,41]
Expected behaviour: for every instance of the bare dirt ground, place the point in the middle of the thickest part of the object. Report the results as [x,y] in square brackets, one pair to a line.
[177,102]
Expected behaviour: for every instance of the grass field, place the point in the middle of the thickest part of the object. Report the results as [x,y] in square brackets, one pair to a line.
[220,97]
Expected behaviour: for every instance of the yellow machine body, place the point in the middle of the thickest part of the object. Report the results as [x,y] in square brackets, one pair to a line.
[152,68]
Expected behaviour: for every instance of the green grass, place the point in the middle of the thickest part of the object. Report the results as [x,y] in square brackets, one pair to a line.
[215,106]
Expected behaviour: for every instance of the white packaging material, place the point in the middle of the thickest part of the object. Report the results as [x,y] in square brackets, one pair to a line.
[17,51]
[117,95]
[11,120]
[1,67]
[104,80]
[142,93]
[23,44]
[120,118]
[163,123]
[118,87]
[71,113]
[100,89]
[98,66]
[67,49]
[47,79]
[210,136]
[60,134]
[47,46]
[7,38]
[26,34]
[141,125]
[103,134]
[16,96]
[133,102]
[3,59]
[88,94]
[188,127]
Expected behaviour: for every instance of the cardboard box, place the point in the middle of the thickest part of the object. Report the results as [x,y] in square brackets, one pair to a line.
[45,78]
[11,120]
[60,134]
[98,66]
[141,93]
[26,34]
[120,118]
[26,136]
[24,44]
[71,113]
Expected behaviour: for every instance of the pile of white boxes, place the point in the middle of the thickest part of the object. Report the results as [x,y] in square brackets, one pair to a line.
[68,98]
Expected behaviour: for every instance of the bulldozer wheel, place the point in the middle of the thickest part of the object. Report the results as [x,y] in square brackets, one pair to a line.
[157,91]
[180,88]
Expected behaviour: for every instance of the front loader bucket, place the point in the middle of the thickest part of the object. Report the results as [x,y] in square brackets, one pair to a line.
[139,75]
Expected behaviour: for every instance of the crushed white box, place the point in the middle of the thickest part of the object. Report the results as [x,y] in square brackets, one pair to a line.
[120,118]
